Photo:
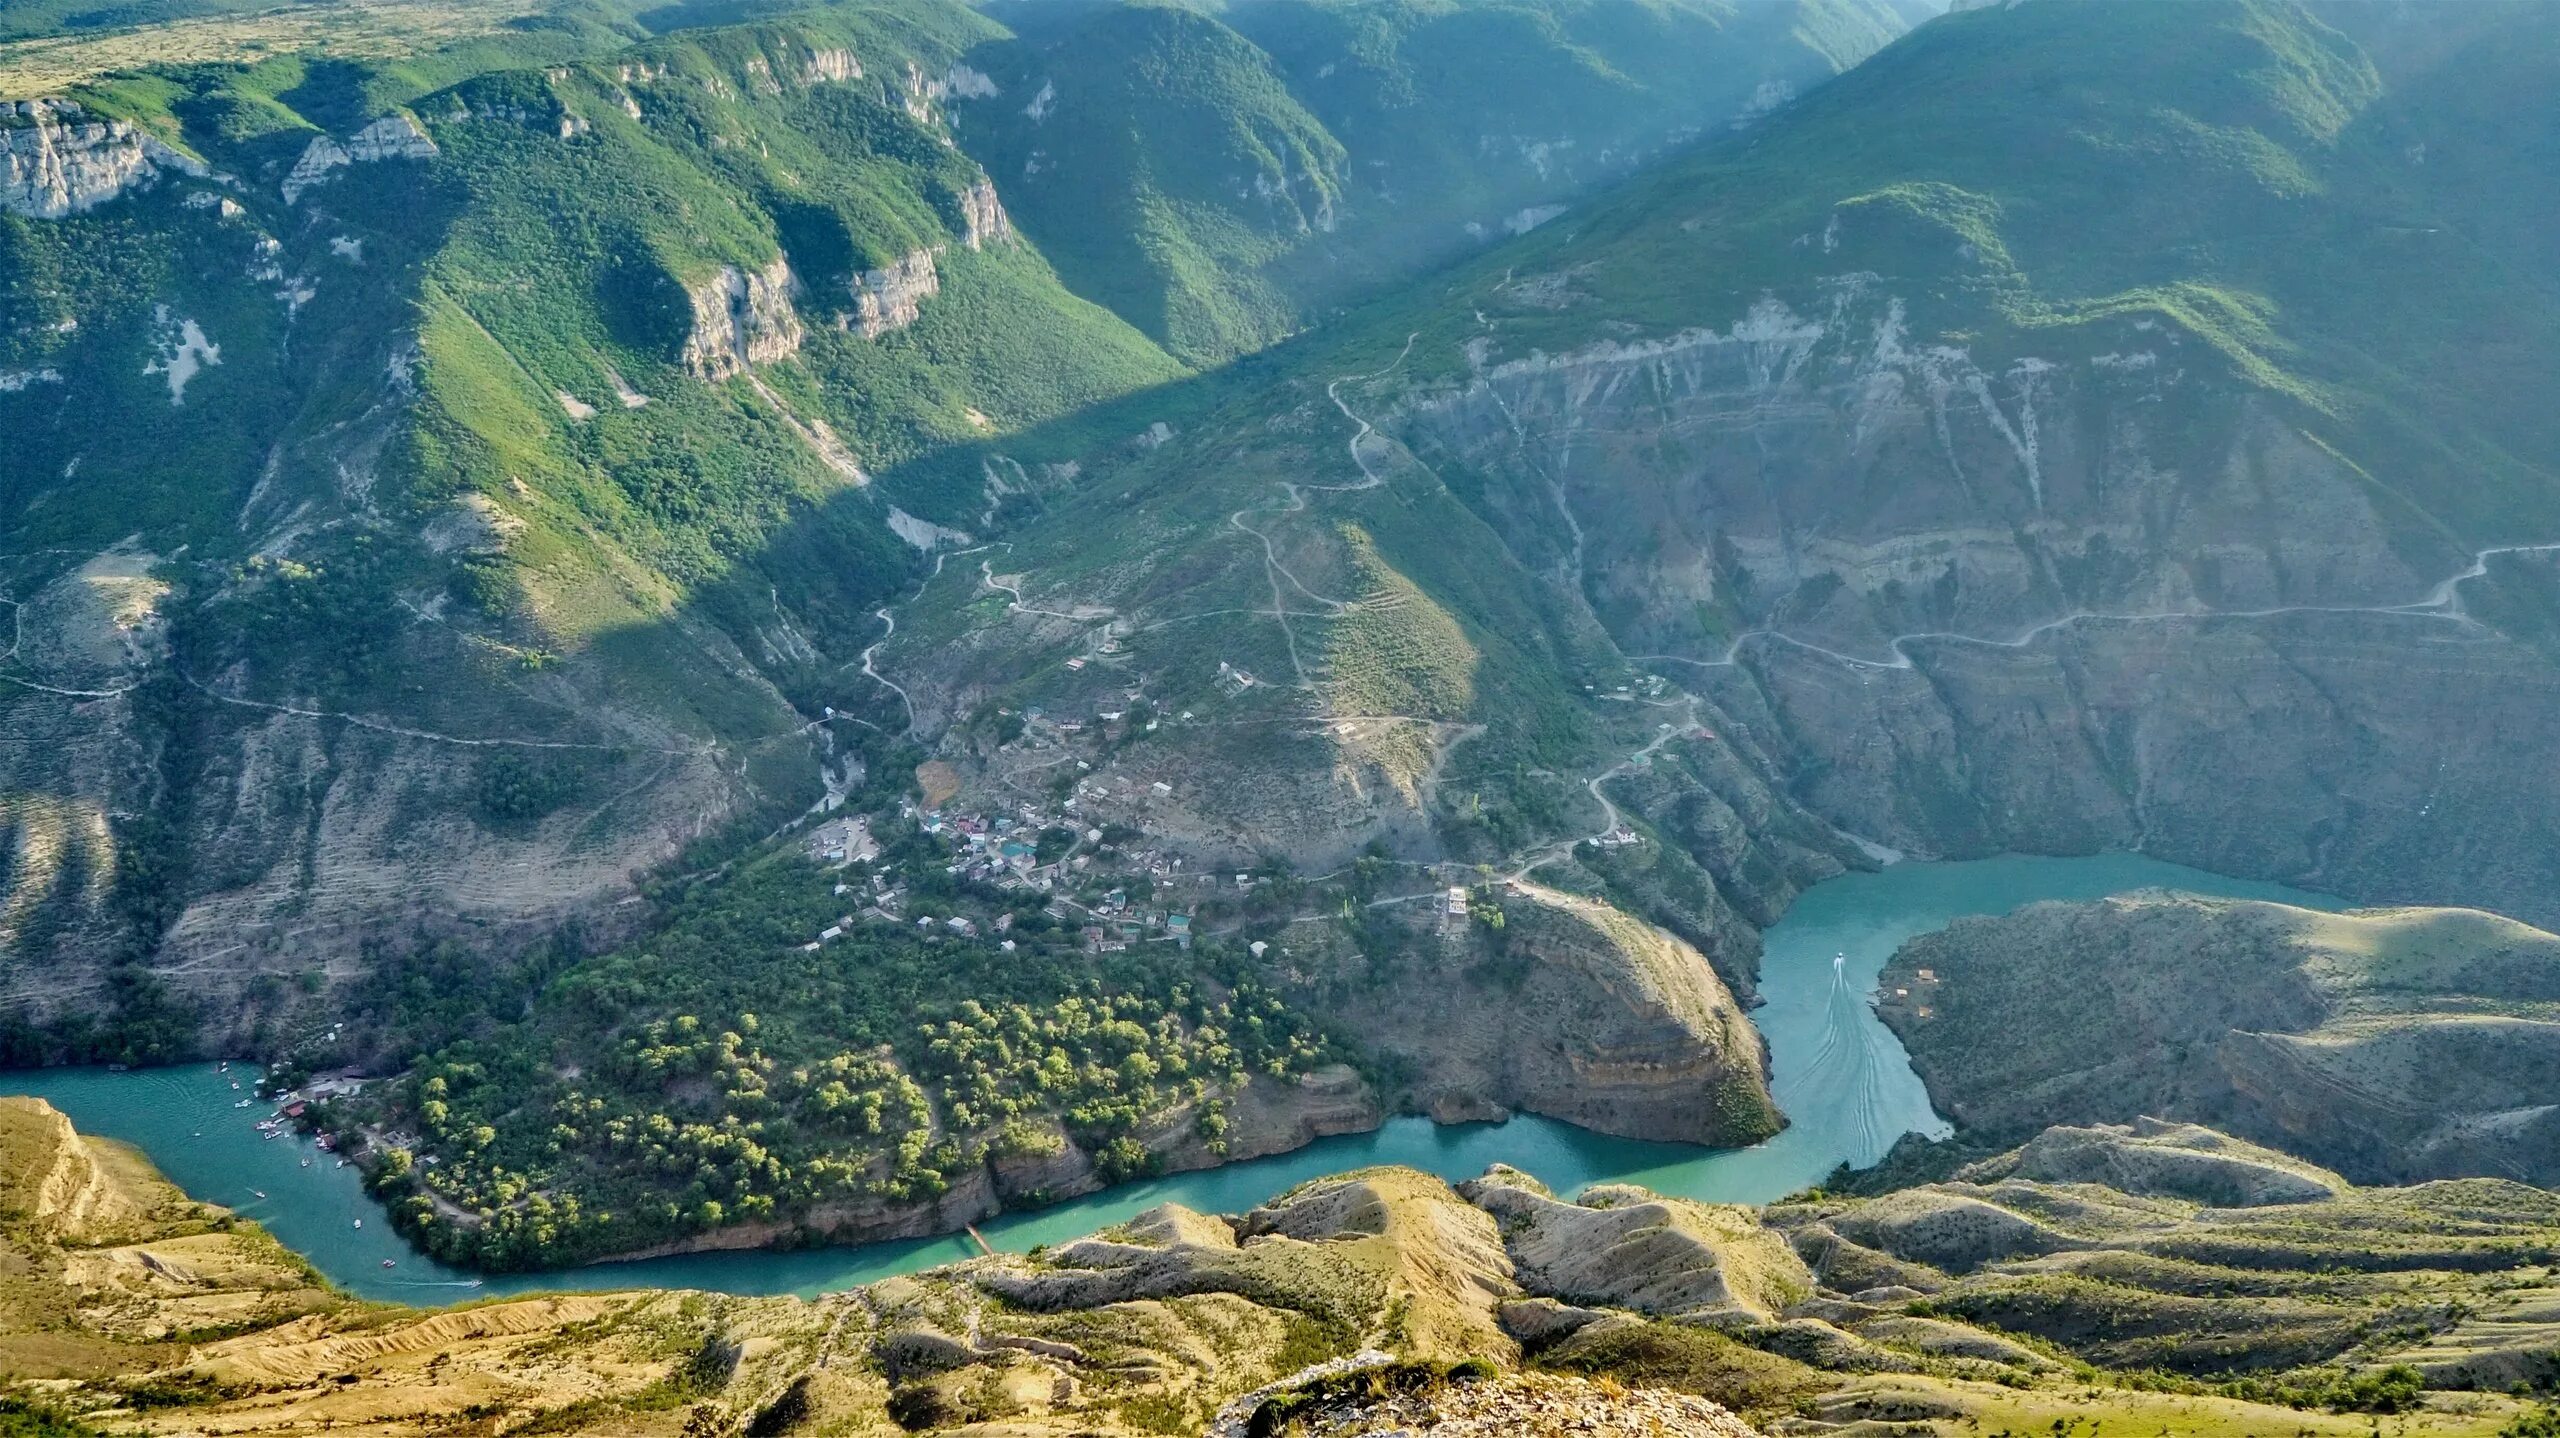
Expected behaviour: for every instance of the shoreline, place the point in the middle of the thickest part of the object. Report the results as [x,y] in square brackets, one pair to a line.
[1868,914]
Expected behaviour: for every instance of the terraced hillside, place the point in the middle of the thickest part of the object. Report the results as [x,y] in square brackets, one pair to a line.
[2162,1276]
[2078,427]
[2392,1044]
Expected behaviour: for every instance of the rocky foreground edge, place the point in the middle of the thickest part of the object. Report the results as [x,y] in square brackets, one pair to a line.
[2021,1291]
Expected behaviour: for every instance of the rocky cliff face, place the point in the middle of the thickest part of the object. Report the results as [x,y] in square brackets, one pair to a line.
[1577,1011]
[982,216]
[2098,598]
[892,297]
[1819,473]
[55,162]
[741,319]
[282,802]
[830,65]
[393,137]
[1653,1045]
[2402,1044]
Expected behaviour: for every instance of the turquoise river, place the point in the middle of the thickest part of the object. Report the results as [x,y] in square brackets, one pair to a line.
[1843,1081]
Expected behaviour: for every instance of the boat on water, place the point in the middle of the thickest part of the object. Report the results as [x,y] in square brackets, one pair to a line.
[306,1163]
[257,1193]
[386,1263]
[359,1223]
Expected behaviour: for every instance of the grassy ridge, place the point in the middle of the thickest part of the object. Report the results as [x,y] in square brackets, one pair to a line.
[1221,180]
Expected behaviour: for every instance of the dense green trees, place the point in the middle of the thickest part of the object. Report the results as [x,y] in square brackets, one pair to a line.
[720,1072]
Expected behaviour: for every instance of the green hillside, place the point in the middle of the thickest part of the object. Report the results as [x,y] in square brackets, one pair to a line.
[1224,176]
[2340,243]
[2043,313]
[552,437]
[464,458]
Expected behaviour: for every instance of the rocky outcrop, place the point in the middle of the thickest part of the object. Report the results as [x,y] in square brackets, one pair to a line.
[828,67]
[983,221]
[2153,1158]
[1269,1116]
[54,161]
[393,137]
[892,297]
[180,351]
[1636,1035]
[741,319]
[53,1182]
[1527,1403]
[1625,1248]
[2398,1044]
[925,93]
[1574,1010]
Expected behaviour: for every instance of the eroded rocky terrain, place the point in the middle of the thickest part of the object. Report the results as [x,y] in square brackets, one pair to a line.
[2395,1044]
[1377,1300]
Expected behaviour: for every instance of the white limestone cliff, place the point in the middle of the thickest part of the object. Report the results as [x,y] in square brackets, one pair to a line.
[983,220]
[742,319]
[56,162]
[393,137]
[830,67]
[892,297]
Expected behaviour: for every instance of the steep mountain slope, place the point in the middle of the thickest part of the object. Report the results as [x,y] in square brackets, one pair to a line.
[425,516]
[1220,176]
[2077,427]
[2407,1043]
[444,490]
